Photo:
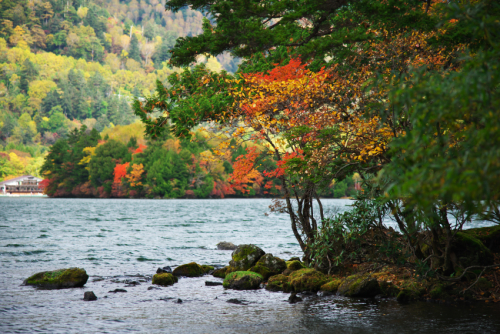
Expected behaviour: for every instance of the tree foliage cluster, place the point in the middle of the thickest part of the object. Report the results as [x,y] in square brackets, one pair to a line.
[403,93]
[67,63]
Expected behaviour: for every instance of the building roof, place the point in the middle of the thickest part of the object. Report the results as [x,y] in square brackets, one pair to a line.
[19,178]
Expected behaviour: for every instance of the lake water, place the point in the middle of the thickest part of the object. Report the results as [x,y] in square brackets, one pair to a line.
[119,241]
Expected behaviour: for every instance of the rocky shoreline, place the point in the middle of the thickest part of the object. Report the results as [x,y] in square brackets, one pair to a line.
[252,268]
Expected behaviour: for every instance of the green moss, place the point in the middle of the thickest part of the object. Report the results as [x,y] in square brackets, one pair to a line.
[331,286]
[359,286]
[164,279]
[411,290]
[59,279]
[489,236]
[436,292]
[206,269]
[189,270]
[471,250]
[245,256]
[261,270]
[307,279]
[242,280]
[221,273]
[278,283]
[294,265]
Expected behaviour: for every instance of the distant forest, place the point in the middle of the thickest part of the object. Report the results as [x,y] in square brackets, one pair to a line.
[65,63]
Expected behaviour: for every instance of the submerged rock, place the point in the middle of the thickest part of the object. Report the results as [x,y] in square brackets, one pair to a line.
[359,286]
[278,283]
[245,256]
[165,279]
[307,279]
[226,246]
[89,296]
[269,265]
[209,283]
[164,270]
[117,290]
[192,269]
[294,298]
[236,301]
[242,280]
[59,279]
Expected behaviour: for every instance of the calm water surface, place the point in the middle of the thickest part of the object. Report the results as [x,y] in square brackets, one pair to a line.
[124,241]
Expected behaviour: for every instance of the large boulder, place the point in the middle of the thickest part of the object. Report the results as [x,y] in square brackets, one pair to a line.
[489,236]
[245,257]
[269,265]
[307,279]
[331,286]
[59,279]
[242,280]
[359,286]
[226,246]
[278,283]
[164,279]
[471,251]
[192,269]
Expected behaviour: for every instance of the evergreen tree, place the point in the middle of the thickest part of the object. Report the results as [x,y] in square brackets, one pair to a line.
[28,73]
[133,51]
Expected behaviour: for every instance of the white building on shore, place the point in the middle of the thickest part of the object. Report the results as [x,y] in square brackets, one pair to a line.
[22,185]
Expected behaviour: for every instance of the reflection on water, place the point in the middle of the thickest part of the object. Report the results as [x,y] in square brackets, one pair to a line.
[121,243]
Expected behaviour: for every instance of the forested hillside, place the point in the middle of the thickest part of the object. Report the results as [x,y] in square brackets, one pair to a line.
[68,63]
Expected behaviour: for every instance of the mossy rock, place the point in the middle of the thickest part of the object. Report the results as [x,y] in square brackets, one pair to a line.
[471,251]
[294,265]
[245,257]
[483,284]
[359,286]
[437,292]
[192,269]
[411,290]
[489,236]
[59,279]
[307,279]
[221,273]
[278,283]
[388,289]
[404,296]
[242,280]
[164,279]
[331,286]
[269,265]
[206,268]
